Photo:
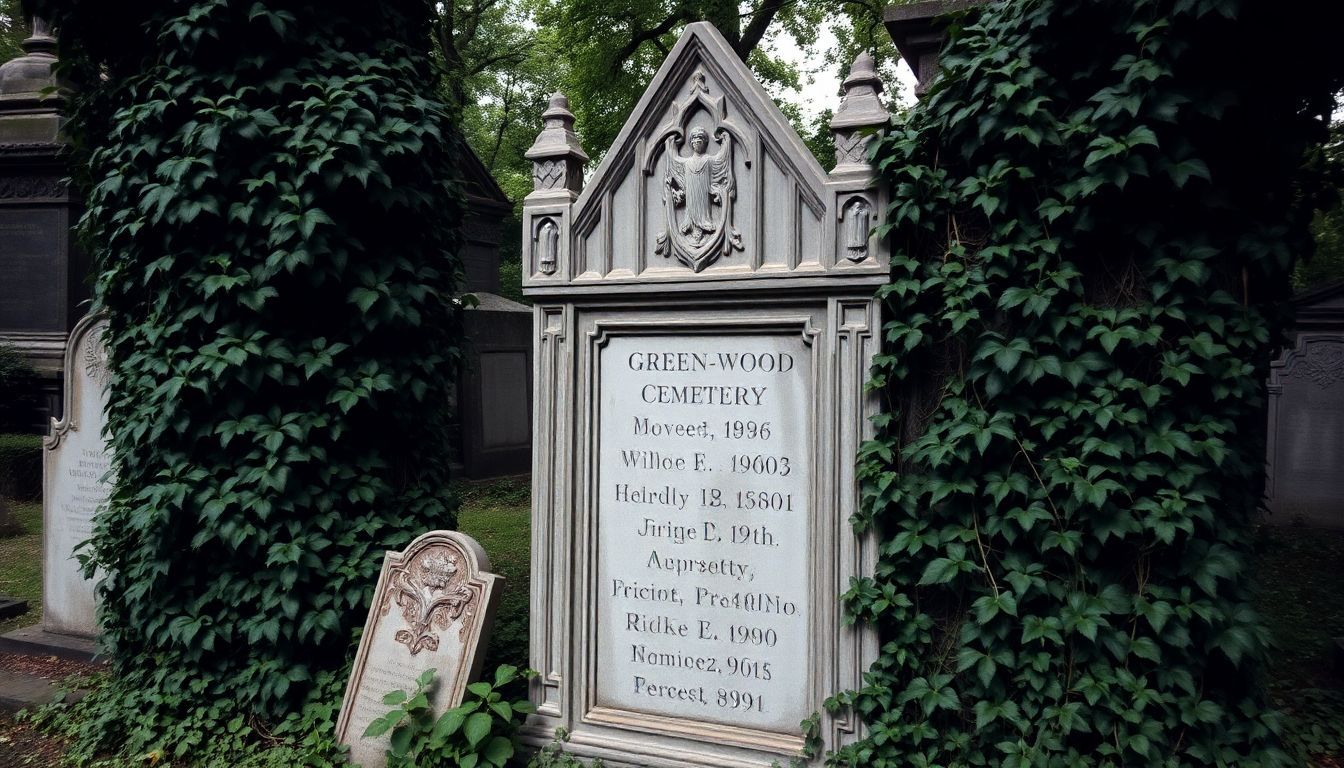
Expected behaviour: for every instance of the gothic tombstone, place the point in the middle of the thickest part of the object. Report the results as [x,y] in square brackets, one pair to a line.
[1305,442]
[43,272]
[75,484]
[432,609]
[703,330]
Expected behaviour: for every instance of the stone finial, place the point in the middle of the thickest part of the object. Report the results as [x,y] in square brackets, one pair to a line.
[31,74]
[557,156]
[860,108]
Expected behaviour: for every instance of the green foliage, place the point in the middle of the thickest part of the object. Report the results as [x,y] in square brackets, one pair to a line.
[1313,730]
[553,755]
[20,466]
[611,50]
[270,205]
[13,29]
[1095,219]
[176,731]
[481,731]
[498,515]
[1325,265]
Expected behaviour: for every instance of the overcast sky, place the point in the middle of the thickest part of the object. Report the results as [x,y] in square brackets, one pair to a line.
[819,93]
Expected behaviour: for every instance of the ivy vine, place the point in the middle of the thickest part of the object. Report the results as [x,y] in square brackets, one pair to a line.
[273,215]
[1095,214]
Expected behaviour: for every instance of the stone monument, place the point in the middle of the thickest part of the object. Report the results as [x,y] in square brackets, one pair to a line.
[75,484]
[42,271]
[432,609]
[704,326]
[493,431]
[1304,458]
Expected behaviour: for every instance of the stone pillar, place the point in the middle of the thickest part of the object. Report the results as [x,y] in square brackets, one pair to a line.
[558,160]
[919,30]
[45,276]
[859,198]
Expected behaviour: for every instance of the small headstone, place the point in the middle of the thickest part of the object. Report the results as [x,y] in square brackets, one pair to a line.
[75,465]
[1305,447]
[432,610]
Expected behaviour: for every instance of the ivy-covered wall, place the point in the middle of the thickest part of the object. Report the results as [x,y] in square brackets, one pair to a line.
[1096,213]
[271,207]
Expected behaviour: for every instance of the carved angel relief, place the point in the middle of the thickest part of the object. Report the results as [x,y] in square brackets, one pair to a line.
[698,186]
[430,593]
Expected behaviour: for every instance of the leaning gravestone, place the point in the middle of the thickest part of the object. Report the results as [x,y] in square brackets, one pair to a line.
[432,609]
[704,324]
[74,482]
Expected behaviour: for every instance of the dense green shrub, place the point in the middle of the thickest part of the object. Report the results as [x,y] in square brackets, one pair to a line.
[272,212]
[20,466]
[1096,213]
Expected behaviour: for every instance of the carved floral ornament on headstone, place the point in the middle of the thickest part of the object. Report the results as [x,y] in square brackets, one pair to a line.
[430,593]
[1324,363]
[699,185]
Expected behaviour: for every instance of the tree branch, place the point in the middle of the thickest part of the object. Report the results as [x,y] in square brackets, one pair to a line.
[647,35]
[760,22]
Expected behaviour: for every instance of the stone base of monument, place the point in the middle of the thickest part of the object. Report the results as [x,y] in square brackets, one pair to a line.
[11,607]
[35,641]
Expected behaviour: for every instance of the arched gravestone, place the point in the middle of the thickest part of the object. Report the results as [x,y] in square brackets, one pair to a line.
[704,324]
[74,464]
[1305,448]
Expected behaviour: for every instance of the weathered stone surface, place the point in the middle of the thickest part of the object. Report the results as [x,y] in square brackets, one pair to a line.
[1305,449]
[703,475]
[704,324]
[75,482]
[432,609]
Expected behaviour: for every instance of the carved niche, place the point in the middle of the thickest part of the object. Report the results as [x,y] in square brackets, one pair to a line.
[856,220]
[699,186]
[547,245]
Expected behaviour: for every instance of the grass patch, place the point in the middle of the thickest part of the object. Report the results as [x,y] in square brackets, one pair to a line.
[498,514]
[1301,597]
[21,564]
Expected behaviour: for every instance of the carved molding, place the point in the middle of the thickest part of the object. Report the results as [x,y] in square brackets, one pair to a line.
[851,147]
[23,187]
[548,174]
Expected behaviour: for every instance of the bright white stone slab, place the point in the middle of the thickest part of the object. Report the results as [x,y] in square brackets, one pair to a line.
[703,508]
